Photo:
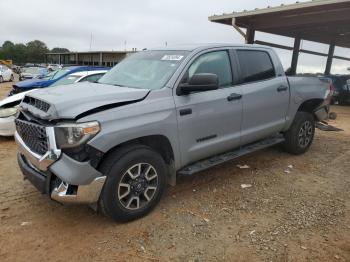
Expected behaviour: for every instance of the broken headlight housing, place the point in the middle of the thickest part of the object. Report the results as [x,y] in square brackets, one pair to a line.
[7,112]
[72,135]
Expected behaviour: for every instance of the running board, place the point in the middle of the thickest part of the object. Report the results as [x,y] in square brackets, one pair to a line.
[219,159]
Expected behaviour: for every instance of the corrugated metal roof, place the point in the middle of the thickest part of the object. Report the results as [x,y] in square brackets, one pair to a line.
[281,8]
[325,21]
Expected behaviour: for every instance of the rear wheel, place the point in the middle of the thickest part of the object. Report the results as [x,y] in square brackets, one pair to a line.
[300,135]
[136,178]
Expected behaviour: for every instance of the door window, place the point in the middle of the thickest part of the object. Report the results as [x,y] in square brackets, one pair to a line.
[255,65]
[217,62]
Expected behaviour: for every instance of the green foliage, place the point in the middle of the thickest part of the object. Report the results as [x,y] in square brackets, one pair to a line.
[32,52]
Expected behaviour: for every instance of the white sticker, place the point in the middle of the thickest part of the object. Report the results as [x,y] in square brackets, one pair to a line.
[172,57]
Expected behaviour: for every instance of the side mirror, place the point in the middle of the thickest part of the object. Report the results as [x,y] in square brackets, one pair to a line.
[200,82]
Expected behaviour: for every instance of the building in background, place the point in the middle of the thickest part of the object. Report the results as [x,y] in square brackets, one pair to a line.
[93,58]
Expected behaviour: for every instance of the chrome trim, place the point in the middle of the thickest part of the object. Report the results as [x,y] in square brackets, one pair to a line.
[86,194]
[41,162]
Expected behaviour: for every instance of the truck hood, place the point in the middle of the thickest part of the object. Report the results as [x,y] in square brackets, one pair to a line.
[71,101]
[33,83]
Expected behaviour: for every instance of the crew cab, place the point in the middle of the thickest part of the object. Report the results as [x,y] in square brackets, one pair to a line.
[116,144]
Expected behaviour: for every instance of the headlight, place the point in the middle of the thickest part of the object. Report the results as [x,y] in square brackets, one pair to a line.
[72,135]
[6,112]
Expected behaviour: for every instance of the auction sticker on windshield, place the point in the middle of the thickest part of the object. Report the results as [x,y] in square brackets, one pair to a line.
[172,57]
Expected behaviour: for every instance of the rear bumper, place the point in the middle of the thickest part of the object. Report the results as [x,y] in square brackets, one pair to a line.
[7,126]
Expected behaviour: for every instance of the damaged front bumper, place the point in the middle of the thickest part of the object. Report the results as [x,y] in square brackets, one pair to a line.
[56,174]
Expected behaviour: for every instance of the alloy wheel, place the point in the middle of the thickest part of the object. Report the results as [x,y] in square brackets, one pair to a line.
[305,134]
[137,186]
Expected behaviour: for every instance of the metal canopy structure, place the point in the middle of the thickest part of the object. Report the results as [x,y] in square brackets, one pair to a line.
[322,21]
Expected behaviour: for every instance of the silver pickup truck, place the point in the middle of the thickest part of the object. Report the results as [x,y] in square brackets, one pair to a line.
[117,143]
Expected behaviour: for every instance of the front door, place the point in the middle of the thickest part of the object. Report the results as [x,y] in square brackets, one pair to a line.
[209,122]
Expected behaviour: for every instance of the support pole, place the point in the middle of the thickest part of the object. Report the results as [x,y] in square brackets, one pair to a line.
[250,36]
[101,59]
[327,71]
[295,57]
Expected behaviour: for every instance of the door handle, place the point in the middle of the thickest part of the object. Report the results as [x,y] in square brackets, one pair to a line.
[234,96]
[282,88]
[186,111]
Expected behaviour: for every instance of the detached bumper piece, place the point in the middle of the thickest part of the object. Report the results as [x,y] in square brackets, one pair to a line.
[86,194]
[38,179]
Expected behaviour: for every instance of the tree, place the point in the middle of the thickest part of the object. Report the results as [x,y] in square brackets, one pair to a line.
[59,50]
[7,50]
[36,51]
[20,55]
[32,52]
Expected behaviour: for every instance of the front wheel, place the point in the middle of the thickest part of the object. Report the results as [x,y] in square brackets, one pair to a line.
[300,135]
[136,178]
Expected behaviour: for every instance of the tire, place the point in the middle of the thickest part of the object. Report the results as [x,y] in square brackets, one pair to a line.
[300,135]
[129,194]
[11,78]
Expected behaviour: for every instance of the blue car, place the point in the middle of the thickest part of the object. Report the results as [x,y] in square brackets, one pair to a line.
[50,78]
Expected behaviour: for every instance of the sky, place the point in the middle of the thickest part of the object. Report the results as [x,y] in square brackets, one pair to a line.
[120,24]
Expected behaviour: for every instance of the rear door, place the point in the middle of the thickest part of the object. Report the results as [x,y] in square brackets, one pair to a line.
[209,122]
[265,95]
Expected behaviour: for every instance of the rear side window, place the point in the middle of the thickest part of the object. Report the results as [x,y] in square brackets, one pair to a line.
[255,65]
[217,62]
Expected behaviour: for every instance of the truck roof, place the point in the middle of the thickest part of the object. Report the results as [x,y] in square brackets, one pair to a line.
[192,47]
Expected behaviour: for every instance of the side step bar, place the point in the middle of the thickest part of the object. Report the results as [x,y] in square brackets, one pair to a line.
[219,159]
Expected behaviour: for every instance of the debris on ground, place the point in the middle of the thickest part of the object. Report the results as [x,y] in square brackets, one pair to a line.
[327,127]
[26,223]
[246,186]
[243,166]
[332,115]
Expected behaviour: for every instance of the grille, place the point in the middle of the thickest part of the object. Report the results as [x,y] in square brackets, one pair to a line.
[43,106]
[33,135]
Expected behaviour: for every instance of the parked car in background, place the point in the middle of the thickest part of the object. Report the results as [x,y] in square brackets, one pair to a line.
[33,72]
[339,83]
[53,67]
[6,74]
[345,94]
[9,106]
[50,78]
[83,76]
[115,144]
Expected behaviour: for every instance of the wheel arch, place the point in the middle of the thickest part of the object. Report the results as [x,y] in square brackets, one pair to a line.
[159,143]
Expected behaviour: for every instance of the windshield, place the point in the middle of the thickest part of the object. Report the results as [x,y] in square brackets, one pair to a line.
[56,74]
[145,70]
[69,79]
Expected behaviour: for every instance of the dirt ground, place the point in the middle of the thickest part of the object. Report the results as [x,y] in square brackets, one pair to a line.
[299,215]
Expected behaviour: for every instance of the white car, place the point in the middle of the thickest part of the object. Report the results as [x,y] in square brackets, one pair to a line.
[6,74]
[9,106]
